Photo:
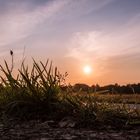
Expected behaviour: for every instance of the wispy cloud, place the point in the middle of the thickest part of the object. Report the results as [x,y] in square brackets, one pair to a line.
[17,25]
[78,8]
[82,44]
[101,48]
[21,18]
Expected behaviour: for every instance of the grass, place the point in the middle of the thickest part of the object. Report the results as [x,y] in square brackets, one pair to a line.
[117,98]
[37,94]
[39,86]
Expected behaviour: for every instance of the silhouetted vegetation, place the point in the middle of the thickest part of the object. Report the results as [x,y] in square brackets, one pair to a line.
[40,93]
[112,88]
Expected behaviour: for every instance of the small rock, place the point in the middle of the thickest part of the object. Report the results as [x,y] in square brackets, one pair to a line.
[93,135]
[67,122]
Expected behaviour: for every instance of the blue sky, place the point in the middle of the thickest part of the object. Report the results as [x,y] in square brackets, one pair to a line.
[101,33]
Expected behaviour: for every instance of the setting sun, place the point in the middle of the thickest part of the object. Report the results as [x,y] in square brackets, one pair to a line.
[87,69]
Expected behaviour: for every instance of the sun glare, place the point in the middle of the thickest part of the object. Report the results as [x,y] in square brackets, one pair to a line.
[87,69]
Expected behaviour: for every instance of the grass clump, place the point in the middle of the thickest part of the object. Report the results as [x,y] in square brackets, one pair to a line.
[30,91]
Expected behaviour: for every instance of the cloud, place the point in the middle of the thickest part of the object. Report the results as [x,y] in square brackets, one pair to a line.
[122,40]
[19,24]
[103,49]
[77,8]
[82,44]
[19,19]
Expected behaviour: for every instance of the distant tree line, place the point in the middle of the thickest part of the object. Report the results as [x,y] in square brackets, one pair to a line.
[122,89]
[112,88]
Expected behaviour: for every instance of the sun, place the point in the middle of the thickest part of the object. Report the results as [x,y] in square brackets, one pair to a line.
[87,69]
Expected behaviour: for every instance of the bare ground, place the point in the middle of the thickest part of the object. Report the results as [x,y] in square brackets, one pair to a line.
[49,130]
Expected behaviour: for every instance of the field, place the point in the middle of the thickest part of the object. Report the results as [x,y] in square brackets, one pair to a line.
[37,95]
[117,98]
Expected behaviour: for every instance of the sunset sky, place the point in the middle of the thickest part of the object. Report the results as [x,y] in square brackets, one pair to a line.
[101,34]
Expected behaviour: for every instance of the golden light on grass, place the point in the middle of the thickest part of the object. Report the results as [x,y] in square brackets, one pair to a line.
[87,69]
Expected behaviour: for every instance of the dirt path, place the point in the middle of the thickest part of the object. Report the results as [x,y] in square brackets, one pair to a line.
[44,131]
